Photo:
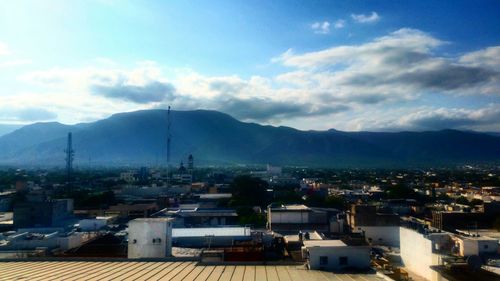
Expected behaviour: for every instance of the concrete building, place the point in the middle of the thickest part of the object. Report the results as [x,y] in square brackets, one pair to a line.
[95,223]
[198,217]
[464,218]
[207,237]
[134,210]
[50,240]
[379,228]
[291,218]
[422,248]
[467,245]
[46,213]
[335,255]
[150,238]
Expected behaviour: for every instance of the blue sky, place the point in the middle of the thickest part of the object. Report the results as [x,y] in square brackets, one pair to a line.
[349,65]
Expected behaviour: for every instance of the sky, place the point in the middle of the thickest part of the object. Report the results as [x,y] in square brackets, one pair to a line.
[314,65]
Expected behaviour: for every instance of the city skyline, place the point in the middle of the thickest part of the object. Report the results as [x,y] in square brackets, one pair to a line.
[348,65]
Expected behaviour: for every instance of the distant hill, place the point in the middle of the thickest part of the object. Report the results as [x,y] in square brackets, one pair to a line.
[139,138]
[7,128]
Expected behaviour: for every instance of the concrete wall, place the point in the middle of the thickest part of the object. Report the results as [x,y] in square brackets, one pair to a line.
[289,217]
[417,253]
[70,242]
[357,257]
[381,235]
[92,224]
[469,247]
[487,246]
[150,238]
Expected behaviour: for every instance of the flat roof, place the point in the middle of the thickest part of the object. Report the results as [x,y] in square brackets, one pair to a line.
[324,243]
[313,235]
[164,270]
[292,207]
[210,231]
[151,220]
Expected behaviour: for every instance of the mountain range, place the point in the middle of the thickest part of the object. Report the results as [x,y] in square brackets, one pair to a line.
[214,138]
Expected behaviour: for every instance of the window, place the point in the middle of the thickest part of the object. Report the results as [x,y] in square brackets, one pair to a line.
[343,261]
[323,260]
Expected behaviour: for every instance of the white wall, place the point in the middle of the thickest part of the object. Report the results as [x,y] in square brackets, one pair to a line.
[357,257]
[70,242]
[471,246]
[289,217]
[381,235]
[141,233]
[416,253]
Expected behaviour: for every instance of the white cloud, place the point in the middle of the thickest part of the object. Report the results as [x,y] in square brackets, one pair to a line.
[486,118]
[4,49]
[361,18]
[401,66]
[488,57]
[12,63]
[25,114]
[349,87]
[321,27]
[339,24]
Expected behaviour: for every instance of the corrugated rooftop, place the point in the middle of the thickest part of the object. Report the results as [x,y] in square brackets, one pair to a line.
[142,270]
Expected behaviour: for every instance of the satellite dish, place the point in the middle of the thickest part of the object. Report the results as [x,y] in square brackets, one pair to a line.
[474,262]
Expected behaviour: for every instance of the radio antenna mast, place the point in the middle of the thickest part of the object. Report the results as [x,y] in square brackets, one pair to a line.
[70,155]
[168,146]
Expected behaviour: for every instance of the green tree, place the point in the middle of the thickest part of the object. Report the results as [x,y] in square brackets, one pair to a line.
[475,202]
[462,200]
[496,224]
[249,191]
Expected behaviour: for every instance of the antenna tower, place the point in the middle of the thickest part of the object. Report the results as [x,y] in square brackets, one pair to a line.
[168,146]
[70,156]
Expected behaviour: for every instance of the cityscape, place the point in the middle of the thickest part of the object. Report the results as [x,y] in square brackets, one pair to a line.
[369,149]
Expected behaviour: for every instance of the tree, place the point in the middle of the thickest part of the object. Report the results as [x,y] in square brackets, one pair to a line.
[475,202]
[249,191]
[496,224]
[462,200]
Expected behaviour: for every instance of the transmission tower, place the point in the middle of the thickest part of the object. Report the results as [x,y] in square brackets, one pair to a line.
[70,156]
[168,146]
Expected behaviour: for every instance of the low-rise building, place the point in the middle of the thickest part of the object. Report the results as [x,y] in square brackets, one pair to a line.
[335,255]
[474,245]
[149,238]
[422,248]
[45,213]
[291,218]
[379,228]
[95,224]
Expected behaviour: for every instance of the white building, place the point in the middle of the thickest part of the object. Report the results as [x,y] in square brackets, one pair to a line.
[296,217]
[419,251]
[380,235]
[95,223]
[150,238]
[475,245]
[335,255]
[378,228]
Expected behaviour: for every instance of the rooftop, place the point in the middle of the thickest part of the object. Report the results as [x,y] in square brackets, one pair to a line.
[292,207]
[151,220]
[162,270]
[324,243]
[210,231]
